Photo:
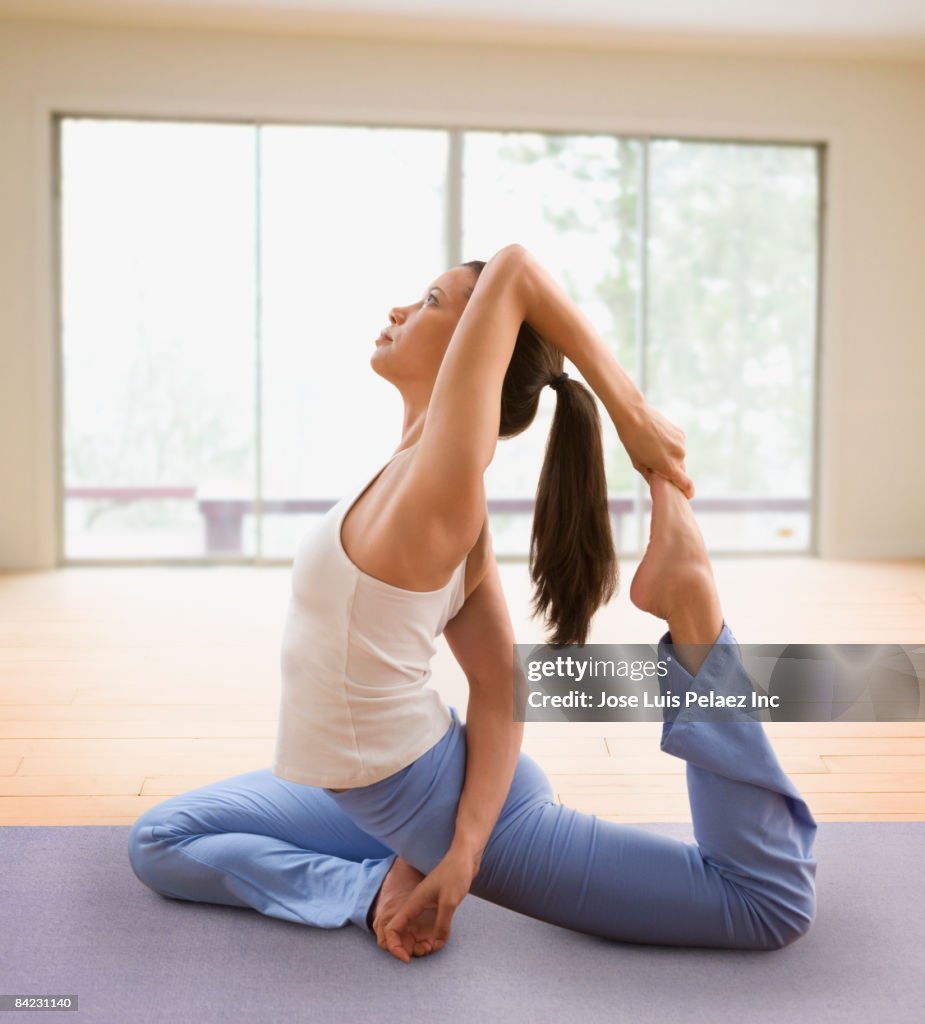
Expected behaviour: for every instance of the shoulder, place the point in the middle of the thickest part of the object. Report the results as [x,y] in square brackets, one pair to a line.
[446,527]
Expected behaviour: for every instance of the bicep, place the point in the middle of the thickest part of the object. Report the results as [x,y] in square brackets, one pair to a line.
[461,427]
[481,635]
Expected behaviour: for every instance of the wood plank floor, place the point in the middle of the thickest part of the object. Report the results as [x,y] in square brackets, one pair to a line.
[121,687]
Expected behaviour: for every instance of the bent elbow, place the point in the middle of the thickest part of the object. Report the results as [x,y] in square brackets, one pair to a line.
[512,252]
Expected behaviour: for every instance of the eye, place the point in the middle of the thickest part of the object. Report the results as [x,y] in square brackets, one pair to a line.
[430,295]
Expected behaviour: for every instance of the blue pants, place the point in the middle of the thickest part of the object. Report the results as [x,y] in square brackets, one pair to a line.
[315,857]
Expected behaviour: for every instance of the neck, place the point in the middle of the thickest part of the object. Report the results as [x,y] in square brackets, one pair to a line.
[412,422]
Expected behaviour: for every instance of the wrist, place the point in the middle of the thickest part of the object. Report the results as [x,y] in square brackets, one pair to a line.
[629,410]
[466,852]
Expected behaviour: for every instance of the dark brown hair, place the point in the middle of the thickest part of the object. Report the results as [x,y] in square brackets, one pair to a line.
[573,564]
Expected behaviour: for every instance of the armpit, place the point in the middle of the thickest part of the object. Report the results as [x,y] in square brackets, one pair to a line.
[477,560]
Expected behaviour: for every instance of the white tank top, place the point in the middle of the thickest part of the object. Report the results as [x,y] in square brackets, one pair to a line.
[355,664]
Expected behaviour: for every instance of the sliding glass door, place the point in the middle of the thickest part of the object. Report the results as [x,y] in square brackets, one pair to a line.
[222,287]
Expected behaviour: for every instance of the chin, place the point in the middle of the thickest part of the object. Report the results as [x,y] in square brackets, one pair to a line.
[378,368]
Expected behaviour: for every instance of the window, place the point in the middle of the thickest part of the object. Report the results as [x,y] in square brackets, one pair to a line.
[730,346]
[158,312]
[222,287]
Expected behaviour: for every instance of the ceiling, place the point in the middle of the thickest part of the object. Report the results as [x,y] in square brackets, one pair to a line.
[850,28]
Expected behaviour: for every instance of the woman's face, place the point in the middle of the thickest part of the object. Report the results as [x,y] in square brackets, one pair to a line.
[412,347]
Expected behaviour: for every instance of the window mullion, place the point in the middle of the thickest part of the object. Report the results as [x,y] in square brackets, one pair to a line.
[454,188]
[258,352]
[642,321]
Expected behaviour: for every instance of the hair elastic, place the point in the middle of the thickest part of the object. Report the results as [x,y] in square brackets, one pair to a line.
[557,382]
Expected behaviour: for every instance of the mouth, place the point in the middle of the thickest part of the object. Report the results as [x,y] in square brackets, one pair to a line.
[385,338]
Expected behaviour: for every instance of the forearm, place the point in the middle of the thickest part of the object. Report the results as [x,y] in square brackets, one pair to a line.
[493,741]
[554,315]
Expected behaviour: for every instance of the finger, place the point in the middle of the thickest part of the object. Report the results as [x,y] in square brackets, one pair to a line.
[405,913]
[682,481]
[397,938]
[394,938]
[382,940]
[396,947]
[418,900]
[398,951]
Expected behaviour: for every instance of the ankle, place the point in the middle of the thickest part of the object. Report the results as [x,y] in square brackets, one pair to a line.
[691,602]
[371,913]
[696,623]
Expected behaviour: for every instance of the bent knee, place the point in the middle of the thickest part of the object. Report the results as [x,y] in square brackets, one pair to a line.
[146,850]
[140,852]
[785,925]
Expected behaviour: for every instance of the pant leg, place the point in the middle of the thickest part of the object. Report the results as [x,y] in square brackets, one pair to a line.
[748,881]
[258,841]
[732,770]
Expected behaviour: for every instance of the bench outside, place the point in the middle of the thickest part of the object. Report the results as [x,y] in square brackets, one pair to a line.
[224,517]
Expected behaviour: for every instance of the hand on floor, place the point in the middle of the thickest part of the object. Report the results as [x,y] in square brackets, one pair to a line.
[416,938]
[422,921]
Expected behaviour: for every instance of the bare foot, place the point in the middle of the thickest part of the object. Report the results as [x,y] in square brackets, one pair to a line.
[676,561]
[675,581]
[398,883]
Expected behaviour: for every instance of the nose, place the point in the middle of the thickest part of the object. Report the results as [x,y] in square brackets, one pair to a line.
[396,315]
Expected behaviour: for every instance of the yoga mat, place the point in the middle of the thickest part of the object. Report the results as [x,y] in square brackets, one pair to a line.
[76,921]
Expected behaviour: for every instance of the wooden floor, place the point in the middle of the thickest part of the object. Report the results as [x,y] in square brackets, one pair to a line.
[121,687]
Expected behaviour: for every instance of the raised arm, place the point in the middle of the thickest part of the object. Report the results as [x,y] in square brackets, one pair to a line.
[461,427]
[653,443]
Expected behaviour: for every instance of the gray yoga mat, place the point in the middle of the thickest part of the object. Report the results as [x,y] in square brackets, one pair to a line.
[75,920]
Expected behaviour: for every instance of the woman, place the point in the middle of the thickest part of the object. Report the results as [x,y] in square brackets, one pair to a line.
[382,808]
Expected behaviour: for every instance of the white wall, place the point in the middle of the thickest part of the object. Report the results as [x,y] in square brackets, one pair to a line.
[871,479]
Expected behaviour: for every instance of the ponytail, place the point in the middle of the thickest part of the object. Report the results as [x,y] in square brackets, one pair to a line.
[573,564]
